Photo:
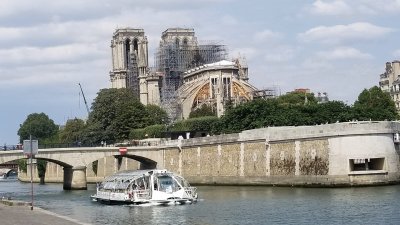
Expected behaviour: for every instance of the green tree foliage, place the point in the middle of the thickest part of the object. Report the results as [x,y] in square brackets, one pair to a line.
[297,98]
[206,123]
[72,132]
[114,113]
[22,165]
[155,115]
[41,168]
[374,104]
[153,131]
[40,126]
[275,112]
[204,110]
[95,165]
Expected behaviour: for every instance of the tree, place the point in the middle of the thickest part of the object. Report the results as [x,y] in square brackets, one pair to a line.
[297,98]
[40,126]
[155,115]
[374,104]
[72,132]
[114,113]
[204,110]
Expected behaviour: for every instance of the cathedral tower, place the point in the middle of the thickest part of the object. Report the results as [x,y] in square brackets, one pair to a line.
[129,49]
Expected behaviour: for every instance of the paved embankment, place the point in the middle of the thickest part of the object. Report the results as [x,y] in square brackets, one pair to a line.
[13,213]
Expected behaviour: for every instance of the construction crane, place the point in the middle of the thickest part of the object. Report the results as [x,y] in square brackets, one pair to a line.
[84,99]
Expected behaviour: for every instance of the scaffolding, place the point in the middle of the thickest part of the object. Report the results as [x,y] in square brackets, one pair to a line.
[132,74]
[265,93]
[173,59]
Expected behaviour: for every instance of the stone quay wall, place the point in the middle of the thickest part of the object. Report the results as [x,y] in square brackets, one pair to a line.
[340,154]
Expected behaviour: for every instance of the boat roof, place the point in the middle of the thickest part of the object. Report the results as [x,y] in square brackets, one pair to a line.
[126,175]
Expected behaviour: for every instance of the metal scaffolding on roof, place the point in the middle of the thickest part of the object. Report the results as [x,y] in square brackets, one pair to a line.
[174,58]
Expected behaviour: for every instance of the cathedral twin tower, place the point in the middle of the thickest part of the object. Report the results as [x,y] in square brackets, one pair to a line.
[130,63]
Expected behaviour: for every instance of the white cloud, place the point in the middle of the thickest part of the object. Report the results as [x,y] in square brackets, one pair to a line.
[345,53]
[354,7]
[337,7]
[57,54]
[340,33]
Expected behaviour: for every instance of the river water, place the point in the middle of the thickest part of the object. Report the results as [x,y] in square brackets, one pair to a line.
[226,205]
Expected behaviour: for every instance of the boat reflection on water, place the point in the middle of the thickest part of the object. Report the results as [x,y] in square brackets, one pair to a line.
[145,187]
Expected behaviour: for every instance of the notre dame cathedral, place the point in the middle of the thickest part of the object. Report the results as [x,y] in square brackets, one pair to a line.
[187,73]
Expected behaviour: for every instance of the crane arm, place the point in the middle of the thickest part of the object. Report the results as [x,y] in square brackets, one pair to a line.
[84,99]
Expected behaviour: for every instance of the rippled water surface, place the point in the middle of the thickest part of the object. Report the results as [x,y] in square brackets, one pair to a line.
[227,205]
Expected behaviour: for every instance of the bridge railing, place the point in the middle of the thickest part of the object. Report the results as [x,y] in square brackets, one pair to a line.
[11,147]
[66,145]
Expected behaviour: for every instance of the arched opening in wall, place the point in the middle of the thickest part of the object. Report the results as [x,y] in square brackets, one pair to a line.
[42,167]
[127,52]
[109,165]
[145,163]
[135,45]
[177,42]
[185,42]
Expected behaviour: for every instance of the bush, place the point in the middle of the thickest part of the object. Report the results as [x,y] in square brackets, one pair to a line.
[206,123]
[153,131]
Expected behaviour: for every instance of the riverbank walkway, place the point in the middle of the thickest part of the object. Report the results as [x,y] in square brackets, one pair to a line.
[22,214]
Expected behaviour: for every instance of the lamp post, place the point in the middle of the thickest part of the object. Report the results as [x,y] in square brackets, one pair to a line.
[31,158]
[30,149]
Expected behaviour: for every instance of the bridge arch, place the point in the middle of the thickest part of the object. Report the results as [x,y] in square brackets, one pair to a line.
[4,172]
[145,163]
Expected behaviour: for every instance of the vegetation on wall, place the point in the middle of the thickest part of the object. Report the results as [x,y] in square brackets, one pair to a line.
[22,165]
[41,168]
[95,165]
[153,131]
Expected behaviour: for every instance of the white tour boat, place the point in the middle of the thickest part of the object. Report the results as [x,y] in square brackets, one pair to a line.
[145,186]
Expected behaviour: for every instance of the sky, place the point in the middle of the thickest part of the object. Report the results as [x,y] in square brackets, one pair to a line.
[47,47]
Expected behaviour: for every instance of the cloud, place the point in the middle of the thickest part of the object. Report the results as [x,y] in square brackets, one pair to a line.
[58,54]
[354,7]
[337,7]
[266,35]
[341,33]
[343,53]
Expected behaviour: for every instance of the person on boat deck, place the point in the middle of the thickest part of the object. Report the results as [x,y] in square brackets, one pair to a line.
[155,185]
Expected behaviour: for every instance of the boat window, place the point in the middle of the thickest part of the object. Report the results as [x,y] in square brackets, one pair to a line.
[167,184]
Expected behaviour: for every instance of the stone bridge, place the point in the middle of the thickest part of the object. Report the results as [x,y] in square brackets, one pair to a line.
[75,160]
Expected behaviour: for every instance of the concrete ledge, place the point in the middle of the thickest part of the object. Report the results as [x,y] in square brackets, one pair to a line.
[10,202]
[367,172]
[300,181]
